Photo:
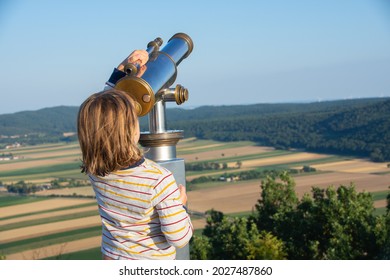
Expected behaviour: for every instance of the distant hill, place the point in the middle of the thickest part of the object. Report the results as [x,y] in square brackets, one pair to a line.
[51,121]
[357,126]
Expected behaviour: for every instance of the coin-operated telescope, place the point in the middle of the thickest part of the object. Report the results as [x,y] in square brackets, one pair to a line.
[161,71]
[150,89]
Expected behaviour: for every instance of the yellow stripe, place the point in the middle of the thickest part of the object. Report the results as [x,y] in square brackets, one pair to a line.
[156,170]
[167,186]
[147,245]
[132,183]
[175,231]
[126,171]
[153,172]
[164,255]
[126,222]
[127,209]
[121,249]
[122,195]
[173,214]
[149,219]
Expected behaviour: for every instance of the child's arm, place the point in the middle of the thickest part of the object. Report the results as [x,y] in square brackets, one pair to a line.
[175,221]
[138,56]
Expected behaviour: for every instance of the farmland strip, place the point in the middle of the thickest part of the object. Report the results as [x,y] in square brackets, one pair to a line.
[46,240]
[41,221]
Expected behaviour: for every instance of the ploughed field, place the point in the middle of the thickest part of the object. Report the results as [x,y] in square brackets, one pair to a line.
[41,226]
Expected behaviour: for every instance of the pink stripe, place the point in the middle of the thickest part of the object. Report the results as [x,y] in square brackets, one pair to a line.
[175,222]
[116,187]
[145,250]
[167,196]
[139,225]
[157,250]
[150,237]
[174,240]
[146,238]
[120,214]
[172,206]
[117,254]
[162,180]
[109,198]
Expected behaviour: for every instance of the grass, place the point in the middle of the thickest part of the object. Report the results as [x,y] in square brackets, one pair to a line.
[49,211]
[240,214]
[55,172]
[44,148]
[246,157]
[48,220]
[90,254]
[74,156]
[222,145]
[41,170]
[47,240]
[278,166]
[380,211]
[8,200]
[219,184]
[380,195]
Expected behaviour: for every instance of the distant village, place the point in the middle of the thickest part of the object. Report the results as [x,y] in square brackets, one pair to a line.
[5,139]
[9,156]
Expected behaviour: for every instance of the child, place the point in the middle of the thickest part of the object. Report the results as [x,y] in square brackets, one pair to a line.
[140,204]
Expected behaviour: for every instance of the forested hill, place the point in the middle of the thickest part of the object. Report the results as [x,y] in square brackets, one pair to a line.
[50,121]
[357,126]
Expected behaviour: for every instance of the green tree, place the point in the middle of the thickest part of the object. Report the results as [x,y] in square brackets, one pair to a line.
[341,223]
[235,239]
[200,248]
[331,224]
[276,204]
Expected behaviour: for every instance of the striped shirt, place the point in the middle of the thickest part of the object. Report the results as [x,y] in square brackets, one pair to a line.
[142,215]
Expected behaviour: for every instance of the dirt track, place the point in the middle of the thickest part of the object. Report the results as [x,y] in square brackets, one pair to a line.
[45,229]
[57,250]
[224,153]
[354,166]
[48,215]
[41,206]
[282,159]
[21,164]
[363,182]
[231,198]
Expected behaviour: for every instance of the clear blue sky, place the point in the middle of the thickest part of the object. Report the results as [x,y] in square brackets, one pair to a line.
[59,52]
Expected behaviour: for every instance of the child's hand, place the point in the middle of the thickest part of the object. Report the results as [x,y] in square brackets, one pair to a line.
[183,194]
[136,57]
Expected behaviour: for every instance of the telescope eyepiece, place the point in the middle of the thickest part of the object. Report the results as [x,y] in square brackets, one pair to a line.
[131,69]
[154,46]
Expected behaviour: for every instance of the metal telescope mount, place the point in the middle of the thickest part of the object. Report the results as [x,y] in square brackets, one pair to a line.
[151,90]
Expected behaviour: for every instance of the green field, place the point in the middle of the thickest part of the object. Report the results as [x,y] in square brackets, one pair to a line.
[62,161]
[7,200]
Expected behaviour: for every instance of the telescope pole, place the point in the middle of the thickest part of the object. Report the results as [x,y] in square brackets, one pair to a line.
[160,146]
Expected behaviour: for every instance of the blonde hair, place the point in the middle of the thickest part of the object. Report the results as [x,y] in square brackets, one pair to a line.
[106,124]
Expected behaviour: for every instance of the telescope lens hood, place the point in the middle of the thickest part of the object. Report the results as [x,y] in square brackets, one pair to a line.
[188,40]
